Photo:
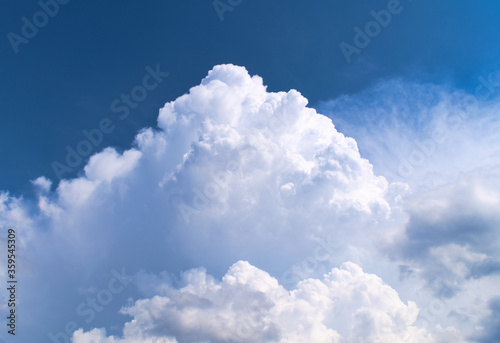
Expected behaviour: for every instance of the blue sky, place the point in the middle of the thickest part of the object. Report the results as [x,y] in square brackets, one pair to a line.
[65,78]
[238,164]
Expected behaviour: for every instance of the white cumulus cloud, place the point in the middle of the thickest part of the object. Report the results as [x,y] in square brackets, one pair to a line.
[248,305]
[236,173]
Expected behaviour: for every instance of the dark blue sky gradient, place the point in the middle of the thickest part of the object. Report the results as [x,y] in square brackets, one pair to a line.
[65,79]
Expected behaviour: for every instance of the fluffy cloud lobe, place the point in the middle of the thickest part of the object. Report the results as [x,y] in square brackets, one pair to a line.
[248,305]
